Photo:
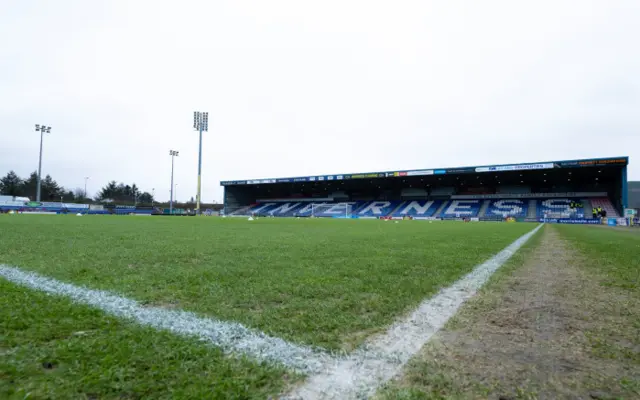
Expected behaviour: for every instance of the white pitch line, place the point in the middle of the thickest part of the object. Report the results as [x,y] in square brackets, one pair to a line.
[360,374]
[231,337]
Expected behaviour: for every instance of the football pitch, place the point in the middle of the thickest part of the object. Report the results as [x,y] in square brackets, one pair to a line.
[303,286]
[313,281]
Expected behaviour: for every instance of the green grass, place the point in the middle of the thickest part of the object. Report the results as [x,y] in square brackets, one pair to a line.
[427,378]
[487,296]
[613,254]
[323,282]
[609,257]
[53,349]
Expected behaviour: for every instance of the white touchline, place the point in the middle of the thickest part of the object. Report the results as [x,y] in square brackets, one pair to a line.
[232,337]
[359,375]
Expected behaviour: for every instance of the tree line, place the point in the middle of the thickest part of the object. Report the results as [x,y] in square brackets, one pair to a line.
[113,192]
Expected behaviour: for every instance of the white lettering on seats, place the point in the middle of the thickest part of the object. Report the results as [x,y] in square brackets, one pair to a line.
[415,205]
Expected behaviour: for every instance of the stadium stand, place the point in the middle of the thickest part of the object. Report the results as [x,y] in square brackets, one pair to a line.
[586,205]
[606,205]
[378,208]
[338,210]
[417,208]
[563,191]
[261,208]
[286,209]
[447,209]
[242,211]
[483,208]
[363,209]
[559,208]
[461,208]
[307,209]
[508,208]
[301,209]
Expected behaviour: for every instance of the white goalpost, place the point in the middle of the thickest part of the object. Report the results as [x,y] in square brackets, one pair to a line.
[339,210]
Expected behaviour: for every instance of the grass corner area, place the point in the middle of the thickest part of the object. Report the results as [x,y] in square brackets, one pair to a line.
[53,348]
[489,294]
[559,320]
[612,258]
[613,254]
[430,378]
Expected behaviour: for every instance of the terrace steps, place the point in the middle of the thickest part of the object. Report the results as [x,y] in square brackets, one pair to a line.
[484,208]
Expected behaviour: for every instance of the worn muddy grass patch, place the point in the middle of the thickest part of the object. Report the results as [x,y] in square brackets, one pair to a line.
[323,282]
[527,336]
[613,257]
[612,254]
[51,348]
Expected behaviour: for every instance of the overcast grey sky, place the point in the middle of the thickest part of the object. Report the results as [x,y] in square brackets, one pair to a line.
[299,87]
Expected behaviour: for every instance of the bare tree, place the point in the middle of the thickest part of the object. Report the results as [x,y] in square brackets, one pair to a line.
[78,193]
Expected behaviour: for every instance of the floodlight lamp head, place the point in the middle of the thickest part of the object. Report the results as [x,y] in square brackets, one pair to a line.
[48,129]
[37,127]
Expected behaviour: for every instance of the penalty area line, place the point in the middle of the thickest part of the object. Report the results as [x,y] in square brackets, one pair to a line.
[231,337]
[382,357]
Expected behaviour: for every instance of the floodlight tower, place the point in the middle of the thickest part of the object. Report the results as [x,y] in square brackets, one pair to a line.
[42,129]
[173,154]
[201,124]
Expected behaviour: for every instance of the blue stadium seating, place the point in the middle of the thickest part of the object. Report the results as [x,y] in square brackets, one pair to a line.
[377,208]
[461,208]
[558,206]
[508,208]
[286,209]
[374,209]
[319,209]
[261,208]
[417,208]
[279,209]
[338,210]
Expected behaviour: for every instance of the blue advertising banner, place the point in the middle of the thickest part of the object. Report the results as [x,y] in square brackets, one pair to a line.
[589,221]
